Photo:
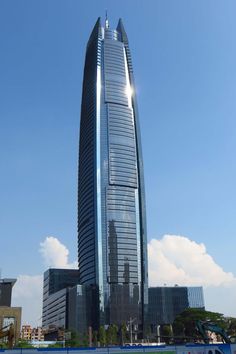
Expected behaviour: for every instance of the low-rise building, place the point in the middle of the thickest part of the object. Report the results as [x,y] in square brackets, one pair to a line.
[11,315]
[32,334]
[26,331]
[37,334]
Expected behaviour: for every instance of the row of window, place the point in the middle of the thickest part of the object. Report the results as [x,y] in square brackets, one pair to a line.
[86,236]
[115,69]
[122,279]
[113,48]
[120,215]
[122,152]
[119,191]
[121,263]
[121,119]
[121,111]
[116,123]
[115,92]
[127,130]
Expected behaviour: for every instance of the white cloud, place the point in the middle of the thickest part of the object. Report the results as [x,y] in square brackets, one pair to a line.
[28,290]
[55,254]
[28,293]
[172,260]
[178,260]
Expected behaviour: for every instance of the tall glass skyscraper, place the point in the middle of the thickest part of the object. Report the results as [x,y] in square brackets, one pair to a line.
[112,246]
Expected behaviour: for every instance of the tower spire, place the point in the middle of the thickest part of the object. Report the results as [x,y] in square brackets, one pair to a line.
[106,21]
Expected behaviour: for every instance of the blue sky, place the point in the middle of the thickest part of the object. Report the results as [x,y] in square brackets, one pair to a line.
[184,57]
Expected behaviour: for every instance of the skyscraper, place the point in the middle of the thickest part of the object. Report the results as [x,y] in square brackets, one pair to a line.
[112,247]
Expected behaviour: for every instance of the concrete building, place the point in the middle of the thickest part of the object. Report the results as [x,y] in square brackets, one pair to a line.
[37,334]
[32,334]
[11,315]
[26,331]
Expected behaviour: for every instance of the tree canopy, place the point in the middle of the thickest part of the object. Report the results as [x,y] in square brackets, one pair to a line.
[185,323]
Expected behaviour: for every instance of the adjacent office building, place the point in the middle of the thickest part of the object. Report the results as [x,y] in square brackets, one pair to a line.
[195,297]
[57,283]
[112,246]
[165,303]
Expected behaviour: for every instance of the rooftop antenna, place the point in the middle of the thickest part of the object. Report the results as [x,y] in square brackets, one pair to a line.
[106,22]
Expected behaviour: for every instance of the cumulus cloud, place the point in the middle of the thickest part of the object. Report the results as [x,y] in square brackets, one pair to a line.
[55,254]
[172,260]
[28,294]
[28,290]
[178,260]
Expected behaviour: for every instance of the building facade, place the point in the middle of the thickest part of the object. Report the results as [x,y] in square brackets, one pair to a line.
[112,246]
[6,291]
[165,303]
[26,331]
[37,334]
[195,297]
[55,296]
[32,334]
[11,316]
[79,308]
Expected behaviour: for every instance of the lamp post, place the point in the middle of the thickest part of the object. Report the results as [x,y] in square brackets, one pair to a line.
[158,334]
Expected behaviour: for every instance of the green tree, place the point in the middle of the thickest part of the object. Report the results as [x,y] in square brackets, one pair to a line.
[102,336]
[185,323]
[84,340]
[3,345]
[123,334]
[231,326]
[74,341]
[111,334]
[178,328]
[166,333]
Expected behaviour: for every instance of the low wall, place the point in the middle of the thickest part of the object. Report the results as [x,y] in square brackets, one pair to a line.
[180,349]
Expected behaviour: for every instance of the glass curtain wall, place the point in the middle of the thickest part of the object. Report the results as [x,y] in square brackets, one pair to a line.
[112,247]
